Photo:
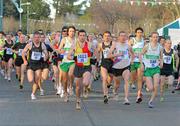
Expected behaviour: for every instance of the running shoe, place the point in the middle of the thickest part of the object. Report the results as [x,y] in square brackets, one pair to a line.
[105,99]
[66,99]
[33,97]
[41,92]
[9,79]
[126,102]
[20,86]
[133,86]
[78,106]
[150,105]
[138,100]
[62,94]
[59,91]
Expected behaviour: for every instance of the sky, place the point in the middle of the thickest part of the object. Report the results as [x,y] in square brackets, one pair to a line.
[53,10]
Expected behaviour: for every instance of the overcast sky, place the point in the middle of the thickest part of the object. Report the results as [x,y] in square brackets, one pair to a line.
[53,10]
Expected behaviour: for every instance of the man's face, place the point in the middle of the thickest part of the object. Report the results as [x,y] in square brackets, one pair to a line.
[8,37]
[122,37]
[162,41]
[36,38]
[82,36]
[139,33]
[42,39]
[22,38]
[107,37]
[19,33]
[64,32]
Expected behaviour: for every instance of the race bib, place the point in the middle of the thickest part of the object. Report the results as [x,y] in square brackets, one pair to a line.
[106,52]
[20,52]
[36,56]
[82,58]
[9,51]
[167,59]
[153,62]
[124,55]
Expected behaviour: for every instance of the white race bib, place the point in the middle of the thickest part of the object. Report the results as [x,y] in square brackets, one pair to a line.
[36,56]
[153,62]
[20,52]
[9,51]
[167,59]
[124,55]
[82,58]
[106,52]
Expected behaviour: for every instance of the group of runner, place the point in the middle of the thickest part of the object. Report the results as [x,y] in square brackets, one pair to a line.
[78,58]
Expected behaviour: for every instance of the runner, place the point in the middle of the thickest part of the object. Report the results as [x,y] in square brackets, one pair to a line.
[35,50]
[93,61]
[106,63]
[8,57]
[153,54]
[2,42]
[121,53]
[45,64]
[56,59]
[20,67]
[169,58]
[67,66]
[82,71]
[137,44]
[162,40]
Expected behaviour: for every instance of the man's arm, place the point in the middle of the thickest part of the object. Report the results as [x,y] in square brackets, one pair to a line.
[27,47]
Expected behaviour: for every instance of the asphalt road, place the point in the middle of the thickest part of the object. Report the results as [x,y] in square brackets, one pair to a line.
[17,109]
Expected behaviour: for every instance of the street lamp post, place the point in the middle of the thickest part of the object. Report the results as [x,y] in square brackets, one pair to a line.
[20,17]
[27,4]
[1,15]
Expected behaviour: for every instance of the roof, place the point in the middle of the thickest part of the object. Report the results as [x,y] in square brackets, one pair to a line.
[174,24]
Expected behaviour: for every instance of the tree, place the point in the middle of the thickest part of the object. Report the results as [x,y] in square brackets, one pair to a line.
[41,8]
[66,6]
[10,9]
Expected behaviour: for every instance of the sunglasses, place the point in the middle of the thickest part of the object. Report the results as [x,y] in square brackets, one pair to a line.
[64,30]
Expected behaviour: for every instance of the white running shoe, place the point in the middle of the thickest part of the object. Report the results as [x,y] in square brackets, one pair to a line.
[68,90]
[9,79]
[5,77]
[2,72]
[62,94]
[59,90]
[33,97]
[41,92]
[133,86]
